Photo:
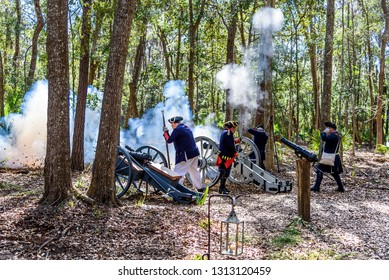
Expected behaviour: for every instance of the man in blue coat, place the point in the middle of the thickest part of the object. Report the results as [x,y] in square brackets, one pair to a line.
[260,140]
[227,154]
[187,152]
[332,140]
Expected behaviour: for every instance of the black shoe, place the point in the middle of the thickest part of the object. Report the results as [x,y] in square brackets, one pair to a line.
[223,191]
[314,189]
[226,190]
[340,190]
[201,190]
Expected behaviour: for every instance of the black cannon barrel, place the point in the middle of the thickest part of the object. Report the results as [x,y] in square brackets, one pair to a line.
[140,156]
[300,152]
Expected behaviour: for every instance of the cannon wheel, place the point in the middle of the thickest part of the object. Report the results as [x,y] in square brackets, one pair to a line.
[207,161]
[123,173]
[247,150]
[157,157]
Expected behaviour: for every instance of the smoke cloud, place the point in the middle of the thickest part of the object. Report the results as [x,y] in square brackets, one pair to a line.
[242,80]
[23,141]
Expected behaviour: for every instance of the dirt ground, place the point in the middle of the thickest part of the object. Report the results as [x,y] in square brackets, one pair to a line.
[349,225]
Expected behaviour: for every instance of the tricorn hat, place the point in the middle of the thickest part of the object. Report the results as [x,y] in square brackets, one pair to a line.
[231,124]
[176,119]
[330,124]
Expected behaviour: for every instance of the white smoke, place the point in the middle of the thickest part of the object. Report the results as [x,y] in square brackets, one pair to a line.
[23,143]
[147,130]
[242,80]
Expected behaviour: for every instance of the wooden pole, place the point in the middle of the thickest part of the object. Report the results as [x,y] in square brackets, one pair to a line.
[303,190]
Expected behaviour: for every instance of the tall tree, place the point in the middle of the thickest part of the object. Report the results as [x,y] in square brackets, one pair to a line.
[132,108]
[79,123]
[103,178]
[16,55]
[328,54]
[34,50]
[57,162]
[193,26]
[1,87]
[381,79]
[231,26]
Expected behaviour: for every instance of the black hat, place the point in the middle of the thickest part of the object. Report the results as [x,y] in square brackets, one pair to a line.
[330,124]
[176,119]
[231,124]
[260,126]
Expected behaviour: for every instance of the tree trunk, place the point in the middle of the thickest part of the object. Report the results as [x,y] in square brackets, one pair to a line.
[315,83]
[230,59]
[34,50]
[103,178]
[342,75]
[193,26]
[327,83]
[132,108]
[57,162]
[1,87]
[16,55]
[94,63]
[381,79]
[162,37]
[178,58]
[79,123]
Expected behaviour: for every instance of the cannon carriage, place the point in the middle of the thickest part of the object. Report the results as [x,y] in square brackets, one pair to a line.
[245,169]
[146,170]
[146,167]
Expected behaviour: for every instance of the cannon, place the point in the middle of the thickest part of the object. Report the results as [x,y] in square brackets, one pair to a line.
[245,170]
[300,152]
[148,167]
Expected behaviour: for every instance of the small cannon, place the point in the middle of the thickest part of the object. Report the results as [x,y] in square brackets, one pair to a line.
[147,166]
[245,170]
[300,152]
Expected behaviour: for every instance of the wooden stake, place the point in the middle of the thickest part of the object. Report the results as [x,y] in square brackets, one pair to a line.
[303,190]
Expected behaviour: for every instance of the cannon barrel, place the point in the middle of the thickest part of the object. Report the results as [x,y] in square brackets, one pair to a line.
[300,152]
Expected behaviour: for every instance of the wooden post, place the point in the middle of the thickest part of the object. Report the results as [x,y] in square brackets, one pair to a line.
[303,190]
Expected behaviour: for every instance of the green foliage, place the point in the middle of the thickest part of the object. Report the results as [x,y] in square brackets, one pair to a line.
[204,223]
[314,144]
[290,236]
[382,149]
[200,200]
[197,257]
[347,141]
[141,201]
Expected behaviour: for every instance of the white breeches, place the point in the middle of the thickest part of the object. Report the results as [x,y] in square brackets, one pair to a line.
[189,166]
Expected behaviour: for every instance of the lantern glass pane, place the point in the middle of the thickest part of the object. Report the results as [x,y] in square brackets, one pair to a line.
[231,238]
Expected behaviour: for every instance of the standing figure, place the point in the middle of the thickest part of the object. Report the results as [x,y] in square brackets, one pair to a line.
[187,153]
[227,154]
[331,145]
[260,139]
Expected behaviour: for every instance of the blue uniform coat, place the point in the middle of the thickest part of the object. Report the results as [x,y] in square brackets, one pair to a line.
[260,139]
[184,143]
[331,143]
[227,144]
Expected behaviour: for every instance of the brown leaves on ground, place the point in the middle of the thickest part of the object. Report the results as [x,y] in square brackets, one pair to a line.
[350,225]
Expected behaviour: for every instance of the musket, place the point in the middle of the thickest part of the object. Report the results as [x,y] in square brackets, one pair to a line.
[167,145]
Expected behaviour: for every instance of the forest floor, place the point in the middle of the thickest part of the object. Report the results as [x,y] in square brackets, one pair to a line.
[350,225]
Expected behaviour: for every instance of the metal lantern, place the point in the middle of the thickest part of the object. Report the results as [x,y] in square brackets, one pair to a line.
[231,230]
[231,235]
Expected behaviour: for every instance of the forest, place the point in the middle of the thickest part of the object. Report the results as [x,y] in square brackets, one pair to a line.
[79,78]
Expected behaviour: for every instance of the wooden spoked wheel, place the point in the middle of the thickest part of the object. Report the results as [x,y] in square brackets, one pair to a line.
[247,150]
[123,174]
[157,157]
[209,151]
